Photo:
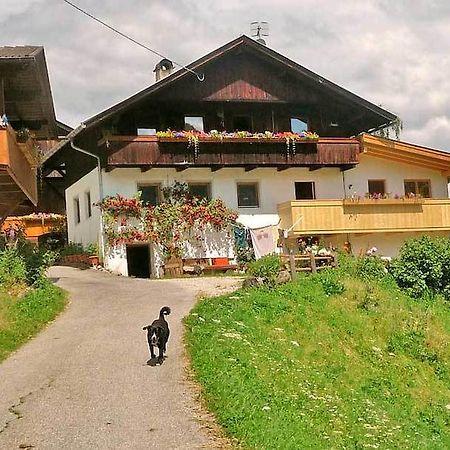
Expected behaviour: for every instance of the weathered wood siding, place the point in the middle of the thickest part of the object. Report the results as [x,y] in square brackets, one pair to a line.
[135,152]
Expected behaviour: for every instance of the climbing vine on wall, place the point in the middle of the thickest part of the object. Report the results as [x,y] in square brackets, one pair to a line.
[179,218]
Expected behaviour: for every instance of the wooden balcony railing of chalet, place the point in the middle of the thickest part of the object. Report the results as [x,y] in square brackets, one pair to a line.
[153,151]
[309,217]
[17,171]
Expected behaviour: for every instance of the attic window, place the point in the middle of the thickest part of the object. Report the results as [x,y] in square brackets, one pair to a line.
[298,125]
[193,123]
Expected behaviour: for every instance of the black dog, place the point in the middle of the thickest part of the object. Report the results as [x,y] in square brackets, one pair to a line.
[158,334]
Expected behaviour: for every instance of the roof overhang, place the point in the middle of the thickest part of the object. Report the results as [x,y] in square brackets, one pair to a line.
[406,153]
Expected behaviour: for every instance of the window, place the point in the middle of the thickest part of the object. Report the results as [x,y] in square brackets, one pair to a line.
[146,131]
[298,125]
[247,194]
[201,190]
[87,198]
[242,123]
[193,123]
[376,187]
[418,187]
[305,190]
[76,209]
[150,194]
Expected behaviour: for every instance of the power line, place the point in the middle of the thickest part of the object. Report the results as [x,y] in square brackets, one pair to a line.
[200,76]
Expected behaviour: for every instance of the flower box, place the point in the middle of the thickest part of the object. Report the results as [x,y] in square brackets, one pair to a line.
[383,201]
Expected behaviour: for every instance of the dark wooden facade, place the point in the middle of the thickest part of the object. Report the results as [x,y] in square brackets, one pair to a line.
[148,152]
[242,79]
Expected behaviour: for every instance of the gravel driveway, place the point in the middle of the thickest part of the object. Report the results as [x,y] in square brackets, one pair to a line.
[84,382]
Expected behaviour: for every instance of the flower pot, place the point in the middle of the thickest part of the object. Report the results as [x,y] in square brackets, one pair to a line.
[220,261]
[93,260]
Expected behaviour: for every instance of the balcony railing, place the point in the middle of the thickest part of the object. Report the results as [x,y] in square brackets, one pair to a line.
[249,152]
[309,217]
[17,170]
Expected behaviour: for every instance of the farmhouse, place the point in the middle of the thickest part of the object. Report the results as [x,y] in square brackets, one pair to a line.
[28,132]
[276,142]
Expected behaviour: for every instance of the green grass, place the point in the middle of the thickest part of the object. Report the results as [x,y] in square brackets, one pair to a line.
[22,318]
[295,368]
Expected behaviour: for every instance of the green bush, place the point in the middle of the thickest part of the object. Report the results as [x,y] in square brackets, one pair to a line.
[25,265]
[423,266]
[370,268]
[268,267]
[330,283]
[72,248]
[346,264]
[12,268]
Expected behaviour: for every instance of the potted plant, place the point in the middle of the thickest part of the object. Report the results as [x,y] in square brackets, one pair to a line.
[92,251]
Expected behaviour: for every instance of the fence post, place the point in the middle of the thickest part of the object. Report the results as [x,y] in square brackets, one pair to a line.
[292,265]
[313,262]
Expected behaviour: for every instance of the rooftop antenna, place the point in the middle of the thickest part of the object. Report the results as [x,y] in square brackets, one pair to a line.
[258,30]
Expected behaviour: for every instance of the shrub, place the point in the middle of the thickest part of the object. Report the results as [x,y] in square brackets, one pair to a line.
[330,283]
[37,262]
[13,270]
[423,265]
[346,264]
[268,267]
[370,268]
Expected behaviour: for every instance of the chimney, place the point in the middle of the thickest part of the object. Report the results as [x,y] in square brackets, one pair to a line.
[163,69]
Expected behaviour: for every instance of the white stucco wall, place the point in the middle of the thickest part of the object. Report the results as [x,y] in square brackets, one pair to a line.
[274,188]
[371,168]
[88,229]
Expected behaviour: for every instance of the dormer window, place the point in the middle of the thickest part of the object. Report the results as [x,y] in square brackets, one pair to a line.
[193,123]
[298,125]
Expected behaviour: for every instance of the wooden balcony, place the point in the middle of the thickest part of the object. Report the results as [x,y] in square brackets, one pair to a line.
[147,152]
[310,217]
[17,172]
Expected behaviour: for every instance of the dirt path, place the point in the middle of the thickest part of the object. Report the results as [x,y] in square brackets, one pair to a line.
[84,382]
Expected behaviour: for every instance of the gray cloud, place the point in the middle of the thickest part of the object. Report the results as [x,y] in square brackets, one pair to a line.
[392,53]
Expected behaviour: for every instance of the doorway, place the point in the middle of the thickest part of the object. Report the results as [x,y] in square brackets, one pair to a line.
[138,261]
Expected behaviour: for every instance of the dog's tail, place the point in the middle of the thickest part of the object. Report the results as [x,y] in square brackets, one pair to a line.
[165,311]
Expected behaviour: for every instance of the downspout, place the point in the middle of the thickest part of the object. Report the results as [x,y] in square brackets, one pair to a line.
[100,188]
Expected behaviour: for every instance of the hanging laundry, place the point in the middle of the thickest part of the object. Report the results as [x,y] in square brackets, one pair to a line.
[264,240]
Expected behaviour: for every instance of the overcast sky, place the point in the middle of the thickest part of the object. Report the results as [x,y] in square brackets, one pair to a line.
[394,53]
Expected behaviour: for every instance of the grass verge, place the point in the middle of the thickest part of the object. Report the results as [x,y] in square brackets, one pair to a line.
[310,365]
[22,318]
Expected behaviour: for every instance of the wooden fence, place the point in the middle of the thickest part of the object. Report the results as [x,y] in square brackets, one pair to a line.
[307,262]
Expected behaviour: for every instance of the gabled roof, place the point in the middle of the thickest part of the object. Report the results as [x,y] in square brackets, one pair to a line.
[27,94]
[243,41]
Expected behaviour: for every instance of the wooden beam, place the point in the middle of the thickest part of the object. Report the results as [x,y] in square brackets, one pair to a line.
[313,168]
[250,168]
[347,167]
[281,168]
[146,168]
[181,168]
[216,168]
[109,169]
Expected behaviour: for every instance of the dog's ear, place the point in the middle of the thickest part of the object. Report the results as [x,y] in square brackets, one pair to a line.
[146,328]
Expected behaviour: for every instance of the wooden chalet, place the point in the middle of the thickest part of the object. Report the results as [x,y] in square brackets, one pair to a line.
[238,144]
[247,87]
[27,108]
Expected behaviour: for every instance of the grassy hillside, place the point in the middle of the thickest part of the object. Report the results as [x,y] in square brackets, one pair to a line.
[22,318]
[294,368]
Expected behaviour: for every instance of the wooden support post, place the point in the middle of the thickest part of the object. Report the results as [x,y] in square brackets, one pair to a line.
[292,265]
[313,262]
